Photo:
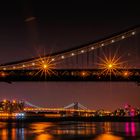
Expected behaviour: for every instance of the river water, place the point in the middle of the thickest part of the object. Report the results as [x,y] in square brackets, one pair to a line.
[70,131]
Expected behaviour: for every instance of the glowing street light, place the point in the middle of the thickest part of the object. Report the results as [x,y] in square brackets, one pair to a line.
[45,66]
[4,100]
[14,101]
[110,64]
[126,74]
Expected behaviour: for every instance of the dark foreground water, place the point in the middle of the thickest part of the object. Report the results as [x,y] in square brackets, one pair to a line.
[70,131]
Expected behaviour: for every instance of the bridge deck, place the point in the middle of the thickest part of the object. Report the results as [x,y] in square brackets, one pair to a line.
[131,75]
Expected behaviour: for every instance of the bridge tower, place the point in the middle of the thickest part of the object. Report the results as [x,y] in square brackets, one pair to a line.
[76,106]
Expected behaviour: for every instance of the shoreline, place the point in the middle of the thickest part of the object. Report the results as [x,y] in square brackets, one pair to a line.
[76,119]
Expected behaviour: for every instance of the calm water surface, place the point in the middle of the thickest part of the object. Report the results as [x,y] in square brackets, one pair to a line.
[70,131]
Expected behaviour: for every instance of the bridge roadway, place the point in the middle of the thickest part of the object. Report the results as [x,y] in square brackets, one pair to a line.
[30,109]
[120,75]
[61,110]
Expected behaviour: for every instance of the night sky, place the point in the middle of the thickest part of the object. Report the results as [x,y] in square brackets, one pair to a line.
[27,28]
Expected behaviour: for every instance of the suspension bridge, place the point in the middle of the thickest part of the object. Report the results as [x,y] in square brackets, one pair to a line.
[100,60]
[31,110]
[73,109]
[24,108]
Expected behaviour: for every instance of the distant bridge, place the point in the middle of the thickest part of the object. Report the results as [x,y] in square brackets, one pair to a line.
[71,108]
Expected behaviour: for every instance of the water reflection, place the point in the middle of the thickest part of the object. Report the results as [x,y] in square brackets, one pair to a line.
[11,131]
[130,128]
[70,130]
[40,130]
[108,137]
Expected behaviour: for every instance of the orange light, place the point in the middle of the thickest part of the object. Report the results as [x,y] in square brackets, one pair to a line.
[4,100]
[83,73]
[45,66]
[110,66]
[126,74]
[3,74]
[14,101]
